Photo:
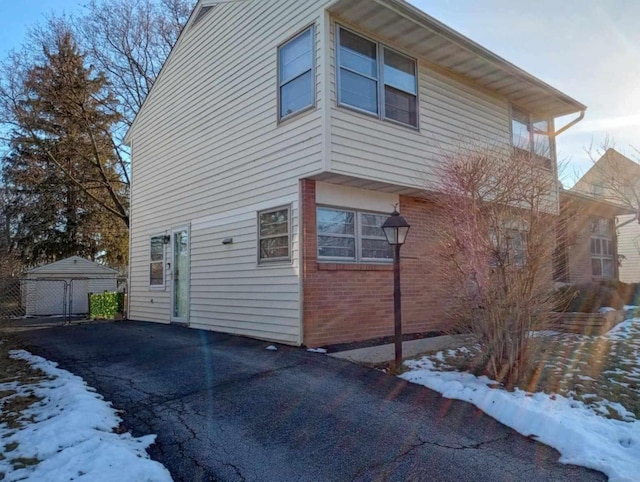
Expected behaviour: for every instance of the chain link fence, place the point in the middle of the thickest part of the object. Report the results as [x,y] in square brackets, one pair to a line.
[57,300]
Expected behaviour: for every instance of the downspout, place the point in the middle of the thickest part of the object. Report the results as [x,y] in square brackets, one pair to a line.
[634,218]
[570,124]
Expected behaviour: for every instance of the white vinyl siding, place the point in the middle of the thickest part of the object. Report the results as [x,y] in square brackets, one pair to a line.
[209,151]
[451,113]
[629,249]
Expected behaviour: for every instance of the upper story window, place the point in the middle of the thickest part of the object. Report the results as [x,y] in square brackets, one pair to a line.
[531,136]
[156,261]
[350,235]
[602,248]
[296,81]
[274,235]
[375,79]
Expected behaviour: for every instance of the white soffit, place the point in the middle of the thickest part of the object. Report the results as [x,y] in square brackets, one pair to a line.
[425,37]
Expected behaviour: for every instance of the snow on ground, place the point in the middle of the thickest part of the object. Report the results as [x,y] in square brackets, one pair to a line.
[579,431]
[69,434]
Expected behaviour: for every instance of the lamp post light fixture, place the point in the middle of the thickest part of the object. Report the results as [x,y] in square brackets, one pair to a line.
[395,229]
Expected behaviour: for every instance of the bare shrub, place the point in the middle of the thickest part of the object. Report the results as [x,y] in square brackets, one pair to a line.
[498,240]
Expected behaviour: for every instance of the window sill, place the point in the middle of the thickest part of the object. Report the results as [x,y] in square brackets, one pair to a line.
[354,267]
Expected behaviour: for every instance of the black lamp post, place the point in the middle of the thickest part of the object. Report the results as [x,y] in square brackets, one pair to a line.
[395,229]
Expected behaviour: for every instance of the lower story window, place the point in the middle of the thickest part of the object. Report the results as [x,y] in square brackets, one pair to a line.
[351,235]
[274,235]
[601,248]
[509,247]
[156,261]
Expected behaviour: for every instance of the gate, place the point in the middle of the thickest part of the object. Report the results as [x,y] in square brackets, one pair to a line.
[57,301]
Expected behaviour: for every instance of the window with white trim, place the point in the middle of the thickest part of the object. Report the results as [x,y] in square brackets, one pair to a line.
[602,248]
[274,235]
[510,247]
[531,136]
[296,81]
[376,79]
[351,235]
[156,261]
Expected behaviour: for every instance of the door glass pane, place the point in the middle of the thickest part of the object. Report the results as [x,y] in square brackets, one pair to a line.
[180,274]
[358,54]
[399,72]
[297,94]
[295,57]
[358,91]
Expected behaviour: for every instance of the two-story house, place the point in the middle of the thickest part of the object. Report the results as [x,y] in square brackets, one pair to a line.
[277,139]
[614,178]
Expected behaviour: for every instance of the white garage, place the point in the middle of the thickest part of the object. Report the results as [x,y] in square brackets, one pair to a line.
[63,287]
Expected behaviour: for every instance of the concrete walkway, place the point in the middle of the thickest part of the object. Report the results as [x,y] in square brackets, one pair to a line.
[375,355]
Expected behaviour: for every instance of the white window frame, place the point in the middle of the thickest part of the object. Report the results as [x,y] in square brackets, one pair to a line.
[282,116]
[380,82]
[596,234]
[282,259]
[357,236]
[531,149]
[162,262]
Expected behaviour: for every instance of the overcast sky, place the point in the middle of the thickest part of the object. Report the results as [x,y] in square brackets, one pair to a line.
[589,49]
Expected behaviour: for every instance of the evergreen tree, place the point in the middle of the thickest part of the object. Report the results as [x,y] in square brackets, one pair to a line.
[67,195]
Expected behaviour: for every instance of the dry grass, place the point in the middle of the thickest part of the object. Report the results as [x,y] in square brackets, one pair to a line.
[12,404]
[601,371]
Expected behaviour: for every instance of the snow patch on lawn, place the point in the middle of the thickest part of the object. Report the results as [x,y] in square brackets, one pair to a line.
[581,435]
[68,435]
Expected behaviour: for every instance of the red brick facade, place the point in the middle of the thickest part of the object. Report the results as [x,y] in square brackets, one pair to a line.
[353,302]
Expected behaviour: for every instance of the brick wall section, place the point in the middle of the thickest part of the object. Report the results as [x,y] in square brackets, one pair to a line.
[351,302]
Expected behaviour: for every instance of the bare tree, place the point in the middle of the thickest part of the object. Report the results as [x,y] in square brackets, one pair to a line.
[613,176]
[499,235]
[130,40]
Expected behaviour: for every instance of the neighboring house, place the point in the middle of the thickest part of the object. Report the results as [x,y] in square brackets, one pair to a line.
[63,287]
[279,136]
[616,178]
[587,247]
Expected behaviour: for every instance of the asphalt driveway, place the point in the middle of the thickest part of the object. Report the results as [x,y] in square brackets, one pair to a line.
[225,408]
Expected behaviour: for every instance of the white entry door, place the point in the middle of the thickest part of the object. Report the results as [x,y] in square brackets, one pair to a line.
[180,275]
